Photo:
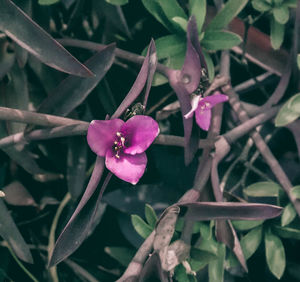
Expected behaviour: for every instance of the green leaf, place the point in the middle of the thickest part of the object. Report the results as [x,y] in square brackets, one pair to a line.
[261,5]
[298,61]
[117,2]
[220,40]
[150,215]
[210,66]
[281,14]
[289,111]
[140,226]
[277,34]
[200,259]
[263,189]
[121,254]
[197,8]
[205,230]
[47,2]
[243,225]
[181,22]
[290,3]
[287,232]
[164,12]
[251,241]
[294,103]
[170,52]
[216,267]
[296,192]
[275,254]
[288,215]
[180,223]
[226,15]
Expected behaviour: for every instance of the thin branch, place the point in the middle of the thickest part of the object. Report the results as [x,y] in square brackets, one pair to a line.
[263,148]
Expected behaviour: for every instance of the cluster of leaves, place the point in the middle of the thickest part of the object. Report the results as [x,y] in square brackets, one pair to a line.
[42,178]
[279,16]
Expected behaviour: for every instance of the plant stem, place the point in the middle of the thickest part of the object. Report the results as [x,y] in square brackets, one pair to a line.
[22,266]
[51,243]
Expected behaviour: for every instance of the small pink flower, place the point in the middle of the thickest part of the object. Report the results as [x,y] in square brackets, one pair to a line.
[123,144]
[202,108]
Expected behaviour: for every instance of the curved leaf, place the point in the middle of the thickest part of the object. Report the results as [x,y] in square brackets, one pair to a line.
[9,232]
[72,91]
[230,10]
[251,241]
[20,28]
[275,254]
[263,189]
[227,210]
[78,225]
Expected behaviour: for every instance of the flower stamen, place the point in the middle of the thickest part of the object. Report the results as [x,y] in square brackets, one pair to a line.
[119,144]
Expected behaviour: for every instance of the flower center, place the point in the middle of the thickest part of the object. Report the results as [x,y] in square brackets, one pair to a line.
[119,144]
[205,106]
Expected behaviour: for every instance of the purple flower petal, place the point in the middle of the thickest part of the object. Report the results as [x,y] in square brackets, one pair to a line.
[203,118]
[214,99]
[194,103]
[139,131]
[102,133]
[128,167]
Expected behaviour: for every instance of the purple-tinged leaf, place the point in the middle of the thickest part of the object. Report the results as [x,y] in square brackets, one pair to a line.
[152,270]
[226,234]
[146,73]
[76,165]
[16,194]
[185,81]
[21,155]
[20,28]
[72,91]
[10,233]
[227,210]
[78,226]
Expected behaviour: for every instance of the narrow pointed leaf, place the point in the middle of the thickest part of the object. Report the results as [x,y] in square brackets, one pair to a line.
[186,81]
[198,9]
[275,254]
[152,270]
[76,165]
[140,226]
[35,40]
[10,233]
[220,40]
[226,234]
[150,215]
[73,90]
[78,226]
[147,68]
[226,210]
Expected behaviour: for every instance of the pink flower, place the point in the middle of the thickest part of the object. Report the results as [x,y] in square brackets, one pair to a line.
[202,108]
[123,144]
